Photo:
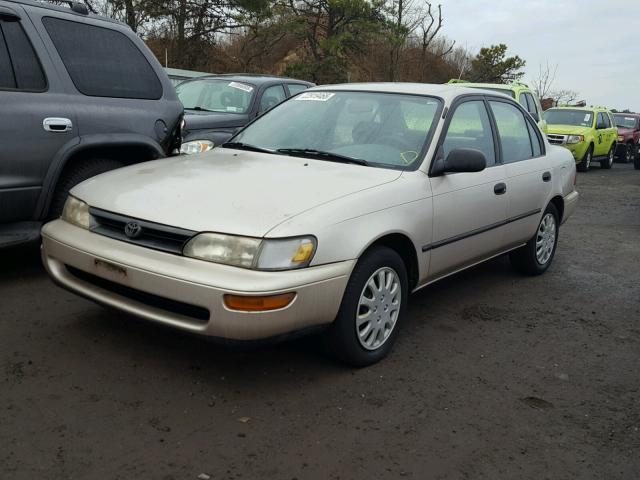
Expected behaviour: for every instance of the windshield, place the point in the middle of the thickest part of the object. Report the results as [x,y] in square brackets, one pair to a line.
[382,129]
[578,118]
[216,95]
[625,122]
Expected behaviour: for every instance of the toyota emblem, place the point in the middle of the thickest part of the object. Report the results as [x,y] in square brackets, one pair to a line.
[132,230]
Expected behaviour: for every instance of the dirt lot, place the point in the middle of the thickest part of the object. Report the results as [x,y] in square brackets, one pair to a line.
[495,376]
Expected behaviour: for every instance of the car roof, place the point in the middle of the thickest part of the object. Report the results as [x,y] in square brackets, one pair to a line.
[627,114]
[587,109]
[446,92]
[254,79]
[65,9]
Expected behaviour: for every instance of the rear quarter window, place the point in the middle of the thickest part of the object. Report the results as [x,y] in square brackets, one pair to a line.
[103,62]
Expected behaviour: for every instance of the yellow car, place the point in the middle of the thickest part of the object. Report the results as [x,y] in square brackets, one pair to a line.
[516,90]
[590,134]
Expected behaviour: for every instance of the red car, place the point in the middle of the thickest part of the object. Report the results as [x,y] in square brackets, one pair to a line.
[628,137]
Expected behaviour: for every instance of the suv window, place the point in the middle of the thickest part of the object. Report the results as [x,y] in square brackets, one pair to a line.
[271,97]
[103,62]
[533,106]
[470,128]
[18,61]
[513,132]
[296,88]
[600,123]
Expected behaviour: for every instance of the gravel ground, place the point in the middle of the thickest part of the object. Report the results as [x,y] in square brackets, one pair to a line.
[495,376]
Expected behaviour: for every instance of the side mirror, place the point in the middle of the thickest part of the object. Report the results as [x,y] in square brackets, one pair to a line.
[460,160]
[535,116]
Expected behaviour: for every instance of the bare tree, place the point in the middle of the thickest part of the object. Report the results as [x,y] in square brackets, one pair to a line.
[428,27]
[563,97]
[543,83]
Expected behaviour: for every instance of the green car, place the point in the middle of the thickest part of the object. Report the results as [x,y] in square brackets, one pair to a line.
[516,90]
[590,134]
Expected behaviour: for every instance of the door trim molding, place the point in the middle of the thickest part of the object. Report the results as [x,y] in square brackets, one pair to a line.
[478,231]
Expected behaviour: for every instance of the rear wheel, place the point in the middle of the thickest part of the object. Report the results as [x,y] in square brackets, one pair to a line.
[372,309]
[636,162]
[607,163]
[76,173]
[584,165]
[536,256]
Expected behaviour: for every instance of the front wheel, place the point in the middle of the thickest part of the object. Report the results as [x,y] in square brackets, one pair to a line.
[536,256]
[607,163]
[584,165]
[372,309]
[629,152]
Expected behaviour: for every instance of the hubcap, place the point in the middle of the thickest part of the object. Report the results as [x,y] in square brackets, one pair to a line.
[588,159]
[610,157]
[546,238]
[378,308]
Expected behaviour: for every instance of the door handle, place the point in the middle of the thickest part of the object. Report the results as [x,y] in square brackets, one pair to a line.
[500,188]
[55,124]
[546,177]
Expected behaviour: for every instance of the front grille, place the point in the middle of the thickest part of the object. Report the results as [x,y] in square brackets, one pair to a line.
[147,234]
[192,312]
[557,139]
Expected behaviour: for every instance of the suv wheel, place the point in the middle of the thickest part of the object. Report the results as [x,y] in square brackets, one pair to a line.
[584,165]
[608,162]
[372,309]
[636,162]
[536,256]
[77,173]
[629,153]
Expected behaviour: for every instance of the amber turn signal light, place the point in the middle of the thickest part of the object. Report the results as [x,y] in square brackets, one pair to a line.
[258,303]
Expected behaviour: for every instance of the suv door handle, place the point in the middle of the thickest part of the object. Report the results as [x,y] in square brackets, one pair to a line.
[54,124]
[546,177]
[500,188]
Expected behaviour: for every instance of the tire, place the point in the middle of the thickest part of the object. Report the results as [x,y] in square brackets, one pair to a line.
[364,343]
[608,162]
[629,153]
[527,259]
[584,165]
[77,173]
[636,162]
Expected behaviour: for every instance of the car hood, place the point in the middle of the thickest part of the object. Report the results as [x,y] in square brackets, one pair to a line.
[225,190]
[567,129]
[209,120]
[625,131]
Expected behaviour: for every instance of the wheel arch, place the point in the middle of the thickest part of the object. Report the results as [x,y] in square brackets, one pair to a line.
[558,202]
[127,148]
[403,246]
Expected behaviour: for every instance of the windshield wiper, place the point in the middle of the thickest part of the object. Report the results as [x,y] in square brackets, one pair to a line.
[321,155]
[199,109]
[246,146]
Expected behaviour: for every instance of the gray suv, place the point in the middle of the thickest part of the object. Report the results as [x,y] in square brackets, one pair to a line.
[80,94]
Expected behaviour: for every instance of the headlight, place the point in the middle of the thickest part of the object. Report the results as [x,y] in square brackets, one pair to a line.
[620,138]
[575,139]
[254,253]
[196,146]
[76,212]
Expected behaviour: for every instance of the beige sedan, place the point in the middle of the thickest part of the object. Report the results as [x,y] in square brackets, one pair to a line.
[325,213]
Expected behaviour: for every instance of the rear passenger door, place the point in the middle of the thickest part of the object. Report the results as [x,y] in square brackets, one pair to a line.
[602,126]
[527,170]
[469,209]
[36,116]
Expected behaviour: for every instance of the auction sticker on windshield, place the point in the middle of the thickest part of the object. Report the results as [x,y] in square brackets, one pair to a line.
[315,96]
[241,86]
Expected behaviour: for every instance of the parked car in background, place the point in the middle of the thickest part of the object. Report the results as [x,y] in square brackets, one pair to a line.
[589,133]
[217,105]
[516,90]
[325,212]
[80,94]
[628,136]
[178,76]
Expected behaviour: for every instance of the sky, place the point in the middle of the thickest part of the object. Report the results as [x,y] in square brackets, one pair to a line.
[594,43]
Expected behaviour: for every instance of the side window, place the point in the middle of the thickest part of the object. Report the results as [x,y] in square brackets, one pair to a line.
[271,97]
[522,100]
[612,122]
[600,121]
[20,66]
[470,128]
[607,122]
[512,131]
[103,62]
[296,88]
[535,140]
[533,105]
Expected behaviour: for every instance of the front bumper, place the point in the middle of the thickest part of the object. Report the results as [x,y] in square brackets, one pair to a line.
[578,150]
[168,288]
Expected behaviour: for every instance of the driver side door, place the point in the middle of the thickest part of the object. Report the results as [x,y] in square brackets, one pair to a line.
[469,209]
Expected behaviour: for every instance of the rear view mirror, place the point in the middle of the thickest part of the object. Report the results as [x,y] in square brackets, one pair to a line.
[460,160]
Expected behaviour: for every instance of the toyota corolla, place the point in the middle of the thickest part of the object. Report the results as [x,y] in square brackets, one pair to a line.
[325,213]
